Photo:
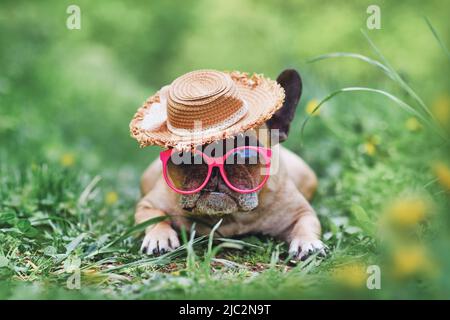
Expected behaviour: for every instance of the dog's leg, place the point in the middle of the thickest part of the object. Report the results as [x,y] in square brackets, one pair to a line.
[304,236]
[160,237]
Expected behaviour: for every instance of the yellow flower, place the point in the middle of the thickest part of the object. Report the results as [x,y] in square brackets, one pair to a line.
[406,212]
[441,109]
[67,159]
[370,148]
[410,260]
[351,275]
[412,124]
[442,172]
[311,105]
[111,198]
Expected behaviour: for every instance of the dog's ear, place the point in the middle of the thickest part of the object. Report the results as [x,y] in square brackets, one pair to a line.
[290,80]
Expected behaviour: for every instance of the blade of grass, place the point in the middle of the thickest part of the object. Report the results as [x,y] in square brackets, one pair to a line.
[373,62]
[82,200]
[230,264]
[71,247]
[386,68]
[398,78]
[398,101]
[229,245]
[211,237]
[210,253]
[438,38]
[191,257]
[203,223]
[275,257]
[240,242]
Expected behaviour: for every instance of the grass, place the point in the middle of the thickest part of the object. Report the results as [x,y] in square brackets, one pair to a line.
[55,219]
[69,179]
[422,111]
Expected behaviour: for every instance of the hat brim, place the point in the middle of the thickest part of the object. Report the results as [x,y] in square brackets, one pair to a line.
[262,96]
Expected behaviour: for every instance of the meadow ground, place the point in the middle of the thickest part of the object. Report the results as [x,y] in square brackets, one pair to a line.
[69,173]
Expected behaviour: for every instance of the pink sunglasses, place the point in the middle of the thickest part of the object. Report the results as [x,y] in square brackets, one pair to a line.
[243,169]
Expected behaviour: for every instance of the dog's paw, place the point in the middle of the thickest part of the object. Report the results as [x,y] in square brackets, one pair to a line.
[159,240]
[302,248]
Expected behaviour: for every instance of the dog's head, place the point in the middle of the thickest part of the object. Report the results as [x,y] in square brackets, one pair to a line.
[216,197]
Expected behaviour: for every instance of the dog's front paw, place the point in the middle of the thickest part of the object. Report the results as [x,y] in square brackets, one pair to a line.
[301,248]
[160,239]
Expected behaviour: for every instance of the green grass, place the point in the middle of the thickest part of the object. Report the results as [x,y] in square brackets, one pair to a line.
[54,217]
[69,172]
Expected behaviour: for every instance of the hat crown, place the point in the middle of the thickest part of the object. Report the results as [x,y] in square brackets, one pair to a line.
[203,100]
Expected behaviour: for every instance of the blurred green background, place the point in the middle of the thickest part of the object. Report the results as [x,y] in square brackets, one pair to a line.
[67,96]
[66,90]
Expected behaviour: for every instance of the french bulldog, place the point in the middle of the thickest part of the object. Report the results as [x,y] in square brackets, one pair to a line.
[280,208]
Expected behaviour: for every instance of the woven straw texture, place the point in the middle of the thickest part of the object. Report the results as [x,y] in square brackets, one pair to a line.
[204,106]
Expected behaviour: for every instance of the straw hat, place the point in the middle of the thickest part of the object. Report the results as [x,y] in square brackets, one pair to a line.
[204,106]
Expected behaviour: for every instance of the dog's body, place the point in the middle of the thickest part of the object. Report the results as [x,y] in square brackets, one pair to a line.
[281,210]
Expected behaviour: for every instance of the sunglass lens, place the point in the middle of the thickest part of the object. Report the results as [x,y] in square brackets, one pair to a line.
[245,169]
[186,171]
